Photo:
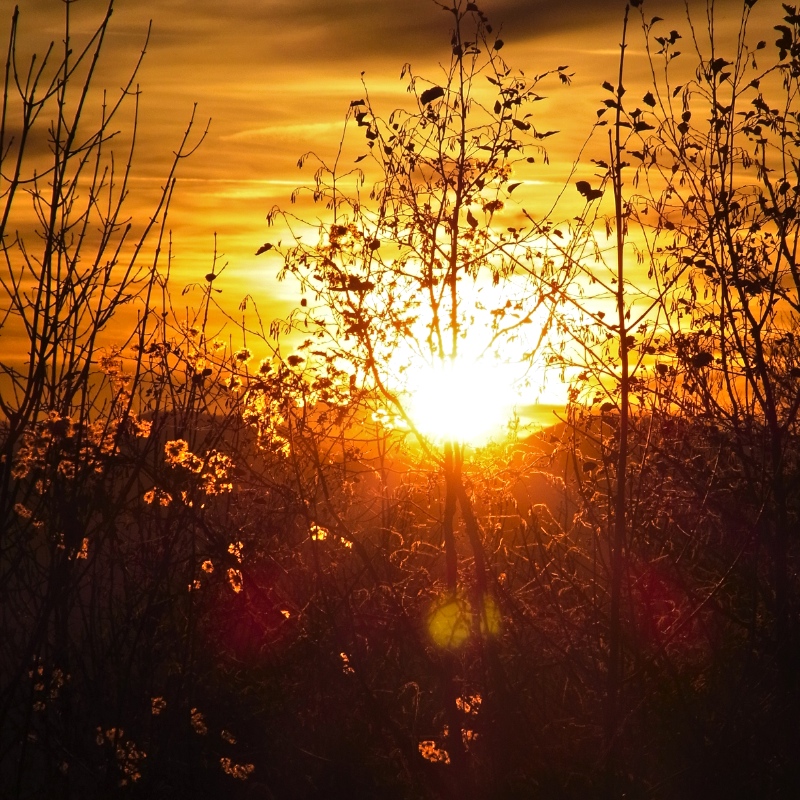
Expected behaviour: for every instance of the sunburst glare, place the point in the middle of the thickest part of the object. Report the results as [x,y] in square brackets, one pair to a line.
[465,400]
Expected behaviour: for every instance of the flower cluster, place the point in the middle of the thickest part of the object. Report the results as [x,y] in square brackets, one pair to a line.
[214,470]
[157,496]
[430,752]
[177,454]
[128,756]
[235,579]
[198,722]
[216,474]
[33,452]
[239,771]
[469,704]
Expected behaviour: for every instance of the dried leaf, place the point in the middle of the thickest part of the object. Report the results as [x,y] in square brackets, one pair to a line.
[429,95]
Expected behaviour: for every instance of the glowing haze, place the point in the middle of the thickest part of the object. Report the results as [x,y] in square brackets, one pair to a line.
[276,78]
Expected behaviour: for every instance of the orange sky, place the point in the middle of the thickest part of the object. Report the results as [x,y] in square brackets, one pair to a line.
[276,78]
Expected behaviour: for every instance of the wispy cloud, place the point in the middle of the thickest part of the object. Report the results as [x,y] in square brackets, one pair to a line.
[276,77]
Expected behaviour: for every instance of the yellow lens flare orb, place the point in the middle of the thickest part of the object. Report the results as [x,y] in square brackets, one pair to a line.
[466,401]
[453,620]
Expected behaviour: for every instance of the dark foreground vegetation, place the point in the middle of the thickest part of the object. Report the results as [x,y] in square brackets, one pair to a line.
[229,575]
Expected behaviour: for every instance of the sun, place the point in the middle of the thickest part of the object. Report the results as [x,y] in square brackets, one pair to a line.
[463,400]
[472,397]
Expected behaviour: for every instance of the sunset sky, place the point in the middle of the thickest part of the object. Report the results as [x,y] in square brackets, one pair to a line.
[276,78]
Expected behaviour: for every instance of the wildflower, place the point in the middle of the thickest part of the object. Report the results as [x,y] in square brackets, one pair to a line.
[194,585]
[174,449]
[468,736]
[23,511]
[218,466]
[239,771]
[430,752]
[67,469]
[198,722]
[227,736]
[157,705]
[178,455]
[265,367]
[140,427]
[207,566]
[156,494]
[347,669]
[191,462]
[22,466]
[242,356]
[235,549]
[469,704]
[235,580]
[126,752]
[83,553]
[318,533]
[57,681]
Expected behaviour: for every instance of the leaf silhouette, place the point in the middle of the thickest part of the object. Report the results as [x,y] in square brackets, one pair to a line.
[585,188]
[429,95]
[702,360]
[263,248]
[471,219]
[718,63]
[356,284]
